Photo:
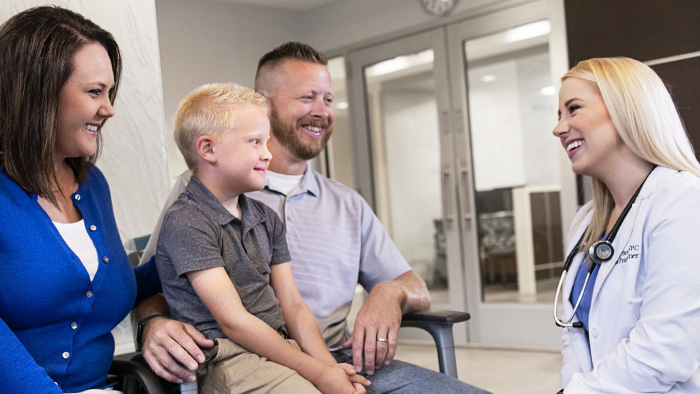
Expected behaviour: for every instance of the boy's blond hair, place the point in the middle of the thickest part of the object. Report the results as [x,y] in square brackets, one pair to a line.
[211,110]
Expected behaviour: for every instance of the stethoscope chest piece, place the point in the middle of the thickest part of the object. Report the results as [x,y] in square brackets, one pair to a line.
[601,251]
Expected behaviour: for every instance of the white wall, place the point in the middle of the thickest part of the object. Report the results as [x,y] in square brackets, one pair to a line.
[412,151]
[538,113]
[510,117]
[211,41]
[134,157]
[494,115]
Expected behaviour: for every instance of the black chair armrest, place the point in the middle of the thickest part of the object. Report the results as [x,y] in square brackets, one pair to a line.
[130,369]
[445,317]
[439,325]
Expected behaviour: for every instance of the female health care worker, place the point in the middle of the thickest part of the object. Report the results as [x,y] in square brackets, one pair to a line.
[631,285]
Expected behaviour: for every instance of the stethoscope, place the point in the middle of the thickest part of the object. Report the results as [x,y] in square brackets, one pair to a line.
[600,252]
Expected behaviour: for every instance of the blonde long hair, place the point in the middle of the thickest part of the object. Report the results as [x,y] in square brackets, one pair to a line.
[645,117]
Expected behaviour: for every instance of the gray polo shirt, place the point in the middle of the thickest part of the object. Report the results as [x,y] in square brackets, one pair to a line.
[335,241]
[199,233]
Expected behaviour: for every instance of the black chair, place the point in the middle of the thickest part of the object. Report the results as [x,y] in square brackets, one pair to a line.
[439,325]
[134,377]
[137,378]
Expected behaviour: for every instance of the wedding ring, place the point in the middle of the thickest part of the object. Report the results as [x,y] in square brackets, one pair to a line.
[381,339]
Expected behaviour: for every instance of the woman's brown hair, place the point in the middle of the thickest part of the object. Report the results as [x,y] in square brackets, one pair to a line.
[37,49]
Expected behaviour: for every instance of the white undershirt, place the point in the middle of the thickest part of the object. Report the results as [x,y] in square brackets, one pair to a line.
[77,238]
[282,182]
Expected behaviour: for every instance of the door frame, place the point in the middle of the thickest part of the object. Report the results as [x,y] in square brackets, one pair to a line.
[356,62]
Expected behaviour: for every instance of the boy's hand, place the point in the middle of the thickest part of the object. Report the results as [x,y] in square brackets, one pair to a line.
[169,344]
[357,380]
[335,380]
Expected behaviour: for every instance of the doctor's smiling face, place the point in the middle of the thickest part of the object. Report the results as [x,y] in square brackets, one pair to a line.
[586,130]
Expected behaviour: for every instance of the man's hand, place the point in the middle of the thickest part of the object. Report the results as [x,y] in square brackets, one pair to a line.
[379,318]
[378,321]
[168,345]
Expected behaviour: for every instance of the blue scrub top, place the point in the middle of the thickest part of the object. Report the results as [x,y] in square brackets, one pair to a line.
[584,308]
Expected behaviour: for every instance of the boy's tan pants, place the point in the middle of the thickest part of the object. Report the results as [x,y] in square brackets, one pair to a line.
[234,369]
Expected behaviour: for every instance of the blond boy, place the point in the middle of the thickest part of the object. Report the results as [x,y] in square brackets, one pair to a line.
[223,258]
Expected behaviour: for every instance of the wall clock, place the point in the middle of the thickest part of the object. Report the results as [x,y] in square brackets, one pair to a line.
[438,7]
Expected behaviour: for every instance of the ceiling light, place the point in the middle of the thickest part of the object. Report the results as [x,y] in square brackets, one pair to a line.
[400,63]
[524,32]
[548,91]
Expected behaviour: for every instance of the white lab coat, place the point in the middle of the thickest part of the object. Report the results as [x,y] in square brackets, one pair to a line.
[645,312]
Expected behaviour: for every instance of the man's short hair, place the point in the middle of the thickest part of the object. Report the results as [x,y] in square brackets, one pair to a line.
[264,79]
[210,109]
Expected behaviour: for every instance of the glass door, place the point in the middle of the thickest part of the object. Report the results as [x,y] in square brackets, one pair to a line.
[501,67]
[405,163]
[452,145]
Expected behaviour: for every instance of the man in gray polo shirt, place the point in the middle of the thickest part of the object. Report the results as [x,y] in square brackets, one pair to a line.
[334,238]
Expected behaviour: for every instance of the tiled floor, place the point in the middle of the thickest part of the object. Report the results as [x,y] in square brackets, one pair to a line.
[500,371]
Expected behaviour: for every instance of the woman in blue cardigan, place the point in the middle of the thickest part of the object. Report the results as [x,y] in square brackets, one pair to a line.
[65,279]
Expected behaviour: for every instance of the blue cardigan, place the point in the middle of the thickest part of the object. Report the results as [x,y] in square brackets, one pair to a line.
[55,324]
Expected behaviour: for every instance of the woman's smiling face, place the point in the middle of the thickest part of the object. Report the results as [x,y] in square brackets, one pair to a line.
[586,130]
[84,103]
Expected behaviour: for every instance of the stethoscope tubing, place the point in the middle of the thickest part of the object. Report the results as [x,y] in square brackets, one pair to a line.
[569,322]
[592,256]
[567,264]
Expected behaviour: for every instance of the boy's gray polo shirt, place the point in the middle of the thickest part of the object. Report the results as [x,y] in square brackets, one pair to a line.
[335,241]
[199,233]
